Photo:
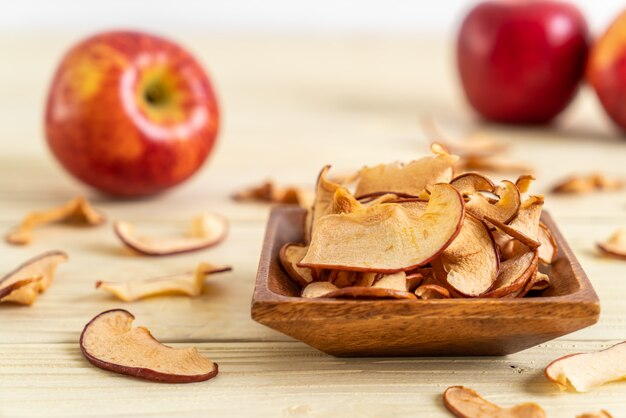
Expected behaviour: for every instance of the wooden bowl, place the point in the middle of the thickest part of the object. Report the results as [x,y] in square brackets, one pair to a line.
[452,327]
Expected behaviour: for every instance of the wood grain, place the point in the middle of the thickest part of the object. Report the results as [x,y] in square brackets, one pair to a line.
[291,104]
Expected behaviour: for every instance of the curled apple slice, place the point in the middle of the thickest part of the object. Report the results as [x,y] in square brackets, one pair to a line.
[77,211]
[205,231]
[616,244]
[549,248]
[411,178]
[601,414]
[583,372]
[388,237]
[268,192]
[470,183]
[467,403]
[432,291]
[110,343]
[31,278]
[290,255]
[524,182]
[514,274]
[318,289]
[189,284]
[504,210]
[322,204]
[470,264]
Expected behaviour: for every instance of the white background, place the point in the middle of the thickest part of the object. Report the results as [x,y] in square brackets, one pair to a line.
[431,16]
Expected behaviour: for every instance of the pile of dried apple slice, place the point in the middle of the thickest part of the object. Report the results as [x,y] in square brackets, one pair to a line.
[415,231]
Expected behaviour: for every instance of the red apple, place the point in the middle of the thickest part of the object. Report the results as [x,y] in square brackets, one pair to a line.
[606,70]
[131,113]
[522,61]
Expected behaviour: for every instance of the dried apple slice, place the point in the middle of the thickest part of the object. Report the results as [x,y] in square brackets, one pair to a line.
[514,274]
[525,227]
[189,284]
[477,144]
[77,211]
[205,231]
[616,244]
[524,182]
[585,371]
[601,414]
[432,291]
[343,278]
[290,255]
[469,183]
[388,237]
[549,248]
[494,164]
[504,210]
[322,205]
[268,192]
[31,278]
[318,289]
[355,292]
[411,178]
[583,184]
[470,264]
[464,402]
[110,343]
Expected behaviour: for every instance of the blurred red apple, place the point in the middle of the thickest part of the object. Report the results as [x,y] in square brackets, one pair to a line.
[131,113]
[606,70]
[522,61]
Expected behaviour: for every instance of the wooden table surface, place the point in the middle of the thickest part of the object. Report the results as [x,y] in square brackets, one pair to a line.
[290,105]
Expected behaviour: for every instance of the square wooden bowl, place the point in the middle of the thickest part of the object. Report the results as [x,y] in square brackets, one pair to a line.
[452,327]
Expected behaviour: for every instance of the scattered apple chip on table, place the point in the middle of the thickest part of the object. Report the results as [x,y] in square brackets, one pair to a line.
[205,231]
[77,211]
[584,184]
[601,414]
[33,277]
[109,342]
[584,371]
[188,284]
[615,246]
[464,402]
[269,192]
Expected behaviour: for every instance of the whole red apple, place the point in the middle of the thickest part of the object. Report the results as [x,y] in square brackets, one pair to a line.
[522,61]
[606,70]
[131,113]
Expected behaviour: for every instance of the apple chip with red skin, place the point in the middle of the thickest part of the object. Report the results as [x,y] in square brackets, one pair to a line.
[318,289]
[290,255]
[432,291]
[470,183]
[464,402]
[582,372]
[77,211]
[205,231]
[33,277]
[387,238]
[470,264]
[615,246]
[549,249]
[322,204]
[504,210]
[109,342]
[411,178]
[189,284]
[514,274]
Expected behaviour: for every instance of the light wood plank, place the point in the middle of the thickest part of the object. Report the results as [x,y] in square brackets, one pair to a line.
[288,379]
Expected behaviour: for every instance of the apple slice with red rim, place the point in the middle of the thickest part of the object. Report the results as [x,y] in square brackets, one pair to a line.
[464,402]
[549,249]
[387,238]
[432,291]
[582,372]
[205,231]
[470,183]
[290,255]
[188,284]
[514,274]
[109,342]
[318,289]
[471,263]
[31,278]
[504,210]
